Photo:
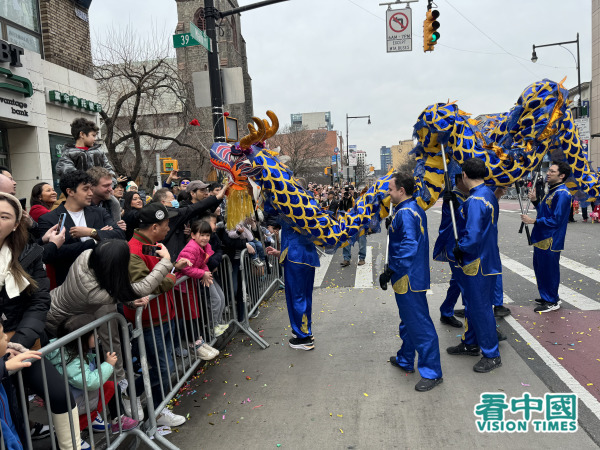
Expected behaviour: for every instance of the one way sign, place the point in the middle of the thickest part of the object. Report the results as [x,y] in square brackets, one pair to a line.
[399,30]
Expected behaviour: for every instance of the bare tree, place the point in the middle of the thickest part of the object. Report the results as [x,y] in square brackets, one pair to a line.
[144,100]
[306,149]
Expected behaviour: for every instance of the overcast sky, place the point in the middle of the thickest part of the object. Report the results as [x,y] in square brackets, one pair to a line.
[330,55]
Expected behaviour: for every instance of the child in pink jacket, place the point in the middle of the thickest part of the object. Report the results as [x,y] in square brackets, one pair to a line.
[198,251]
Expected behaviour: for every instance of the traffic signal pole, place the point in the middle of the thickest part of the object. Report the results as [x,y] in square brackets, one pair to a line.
[211,15]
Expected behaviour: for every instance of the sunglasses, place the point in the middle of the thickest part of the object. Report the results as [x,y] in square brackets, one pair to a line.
[183,183]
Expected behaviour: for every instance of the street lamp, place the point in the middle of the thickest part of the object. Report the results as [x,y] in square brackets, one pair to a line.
[347,147]
[534,58]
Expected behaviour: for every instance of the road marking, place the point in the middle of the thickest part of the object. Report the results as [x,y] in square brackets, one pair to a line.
[580,268]
[325,260]
[588,399]
[364,273]
[510,211]
[566,295]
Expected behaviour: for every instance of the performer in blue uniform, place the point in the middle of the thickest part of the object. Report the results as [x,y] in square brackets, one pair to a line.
[479,258]
[299,257]
[444,244]
[442,251]
[408,269]
[548,235]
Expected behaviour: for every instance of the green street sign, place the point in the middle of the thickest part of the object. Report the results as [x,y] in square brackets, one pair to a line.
[200,36]
[183,40]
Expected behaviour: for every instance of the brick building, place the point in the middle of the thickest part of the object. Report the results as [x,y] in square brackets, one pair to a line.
[193,64]
[45,68]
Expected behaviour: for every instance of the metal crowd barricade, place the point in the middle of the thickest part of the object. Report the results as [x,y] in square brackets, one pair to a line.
[258,284]
[111,441]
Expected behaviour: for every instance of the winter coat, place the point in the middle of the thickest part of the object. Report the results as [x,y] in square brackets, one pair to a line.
[140,266]
[11,418]
[81,294]
[199,257]
[74,374]
[74,158]
[26,313]
[36,211]
[175,239]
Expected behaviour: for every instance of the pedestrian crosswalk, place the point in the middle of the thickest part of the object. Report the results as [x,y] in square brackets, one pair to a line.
[365,276]
[567,295]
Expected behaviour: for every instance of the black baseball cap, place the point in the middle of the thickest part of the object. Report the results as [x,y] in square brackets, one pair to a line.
[155,212]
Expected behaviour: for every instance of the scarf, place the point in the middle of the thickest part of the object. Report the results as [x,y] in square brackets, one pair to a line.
[13,286]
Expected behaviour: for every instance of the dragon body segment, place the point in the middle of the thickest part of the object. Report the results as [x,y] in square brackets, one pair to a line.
[512,144]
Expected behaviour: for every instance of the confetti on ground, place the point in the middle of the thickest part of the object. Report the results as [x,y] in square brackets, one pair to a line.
[365,394]
[523,384]
[258,406]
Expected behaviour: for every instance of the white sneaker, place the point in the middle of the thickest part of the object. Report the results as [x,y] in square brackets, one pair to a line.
[85,445]
[127,405]
[98,424]
[220,329]
[167,418]
[204,351]
[213,352]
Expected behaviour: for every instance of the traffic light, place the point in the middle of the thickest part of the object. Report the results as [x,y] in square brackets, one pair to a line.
[430,34]
[169,165]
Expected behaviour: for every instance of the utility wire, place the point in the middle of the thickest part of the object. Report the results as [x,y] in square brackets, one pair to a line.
[504,52]
[493,41]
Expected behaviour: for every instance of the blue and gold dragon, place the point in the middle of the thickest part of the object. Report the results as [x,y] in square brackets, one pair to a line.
[512,144]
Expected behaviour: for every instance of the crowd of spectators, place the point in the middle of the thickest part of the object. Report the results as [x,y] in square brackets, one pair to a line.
[103,247]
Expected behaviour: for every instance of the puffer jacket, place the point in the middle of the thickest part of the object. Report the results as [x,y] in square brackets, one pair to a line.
[74,374]
[26,313]
[81,294]
[74,158]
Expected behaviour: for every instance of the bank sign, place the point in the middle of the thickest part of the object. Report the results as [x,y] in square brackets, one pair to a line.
[72,101]
[15,90]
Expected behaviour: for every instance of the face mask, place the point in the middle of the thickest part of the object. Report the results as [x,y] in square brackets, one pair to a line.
[174,203]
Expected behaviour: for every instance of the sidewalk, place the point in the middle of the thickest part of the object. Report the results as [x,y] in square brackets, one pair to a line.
[345,394]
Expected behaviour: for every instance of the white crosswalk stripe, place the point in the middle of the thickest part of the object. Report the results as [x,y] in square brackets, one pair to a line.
[364,273]
[580,268]
[566,295]
[575,386]
[321,271]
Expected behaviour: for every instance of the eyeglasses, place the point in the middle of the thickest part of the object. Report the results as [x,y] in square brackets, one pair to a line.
[183,183]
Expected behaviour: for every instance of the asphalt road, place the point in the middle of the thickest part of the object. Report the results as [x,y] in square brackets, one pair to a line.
[254,398]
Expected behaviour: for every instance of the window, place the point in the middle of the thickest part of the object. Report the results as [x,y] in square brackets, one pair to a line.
[20,23]
[4,159]
[57,144]
[199,19]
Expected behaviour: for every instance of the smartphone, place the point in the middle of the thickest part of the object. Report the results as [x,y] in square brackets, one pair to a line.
[23,202]
[61,222]
[150,250]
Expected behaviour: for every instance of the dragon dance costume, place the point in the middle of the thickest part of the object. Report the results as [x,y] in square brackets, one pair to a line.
[481,268]
[299,257]
[409,262]
[548,237]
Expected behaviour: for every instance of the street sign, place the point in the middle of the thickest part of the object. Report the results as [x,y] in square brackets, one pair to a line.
[336,150]
[200,36]
[399,30]
[184,40]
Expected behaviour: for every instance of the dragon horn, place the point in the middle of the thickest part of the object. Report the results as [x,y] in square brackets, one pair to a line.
[271,130]
[254,136]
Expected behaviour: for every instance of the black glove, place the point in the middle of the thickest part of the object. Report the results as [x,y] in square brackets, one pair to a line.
[458,255]
[388,221]
[385,278]
[450,196]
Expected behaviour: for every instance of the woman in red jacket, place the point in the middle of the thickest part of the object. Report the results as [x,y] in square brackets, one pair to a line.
[42,198]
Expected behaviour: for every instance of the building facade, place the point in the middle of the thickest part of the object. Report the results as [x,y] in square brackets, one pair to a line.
[385,158]
[400,153]
[594,145]
[312,121]
[193,66]
[45,83]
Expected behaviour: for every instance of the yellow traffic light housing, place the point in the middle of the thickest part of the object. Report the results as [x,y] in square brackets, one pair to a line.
[430,34]
[169,165]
